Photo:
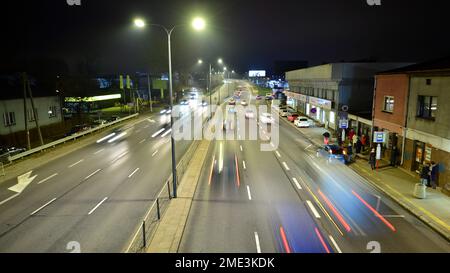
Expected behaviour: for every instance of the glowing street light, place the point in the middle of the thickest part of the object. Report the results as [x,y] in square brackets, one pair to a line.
[220,61]
[199,23]
[200,61]
[140,23]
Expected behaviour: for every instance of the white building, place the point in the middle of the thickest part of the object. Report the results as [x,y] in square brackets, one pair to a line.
[13,117]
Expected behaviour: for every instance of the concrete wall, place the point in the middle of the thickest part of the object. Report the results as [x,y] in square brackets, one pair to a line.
[440,87]
[42,105]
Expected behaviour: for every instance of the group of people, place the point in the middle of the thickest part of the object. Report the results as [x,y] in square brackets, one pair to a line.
[358,143]
[428,174]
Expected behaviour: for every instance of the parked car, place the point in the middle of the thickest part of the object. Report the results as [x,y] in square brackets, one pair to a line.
[78,129]
[232,102]
[292,117]
[266,118]
[7,152]
[284,112]
[258,97]
[302,122]
[244,103]
[113,118]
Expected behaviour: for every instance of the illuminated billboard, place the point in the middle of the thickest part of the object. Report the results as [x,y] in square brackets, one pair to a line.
[257,73]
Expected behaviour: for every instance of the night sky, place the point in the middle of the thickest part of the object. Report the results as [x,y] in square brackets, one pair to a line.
[245,33]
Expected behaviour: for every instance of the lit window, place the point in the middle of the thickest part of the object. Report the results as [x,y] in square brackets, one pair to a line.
[427,107]
[388,104]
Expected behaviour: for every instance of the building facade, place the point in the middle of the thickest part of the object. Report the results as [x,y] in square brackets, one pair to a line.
[48,111]
[327,93]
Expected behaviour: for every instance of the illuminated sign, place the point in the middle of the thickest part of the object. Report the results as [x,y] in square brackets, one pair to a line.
[257,73]
[92,99]
[326,104]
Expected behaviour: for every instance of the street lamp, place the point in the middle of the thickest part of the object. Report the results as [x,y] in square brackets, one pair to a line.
[198,24]
[208,83]
[220,61]
[200,61]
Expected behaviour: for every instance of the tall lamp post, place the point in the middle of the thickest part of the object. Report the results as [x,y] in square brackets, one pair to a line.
[197,24]
[208,81]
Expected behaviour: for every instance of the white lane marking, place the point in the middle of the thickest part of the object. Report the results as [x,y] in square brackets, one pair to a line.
[9,198]
[308,146]
[335,244]
[135,171]
[106,137]
[46,204]
[271,144]
[278,153]
[241,148]
[142,141]
[92,174]
[98,205]
[48,178]
[159,132]
[249,193]
[99,151]
[286,166]
[393,216]
[245,166]
[76,163]
[296,183]
[313,209]
[154,153]
[258,246]
[166,133]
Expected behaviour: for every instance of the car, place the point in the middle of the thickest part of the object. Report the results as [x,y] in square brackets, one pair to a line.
[292,117]
[78,129]
[99,122]
[204,103]
[284,112]
[244,103]
[302,122]
[332,151]
[266,118]
[258,97]
[113,118]
[11,151]
[184,102]
[232,101]
[269,97]
[249,114]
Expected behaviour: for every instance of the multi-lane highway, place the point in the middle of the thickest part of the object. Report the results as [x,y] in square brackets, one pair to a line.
[95,196]
[294,200]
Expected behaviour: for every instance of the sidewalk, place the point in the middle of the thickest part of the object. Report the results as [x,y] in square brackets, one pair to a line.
[169,232]
[399,185]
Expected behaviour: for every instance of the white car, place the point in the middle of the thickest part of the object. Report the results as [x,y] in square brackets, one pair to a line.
[266,118]
[284,112]
[302,122]
[244,103]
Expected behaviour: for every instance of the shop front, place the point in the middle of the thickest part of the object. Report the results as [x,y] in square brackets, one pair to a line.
[320,110]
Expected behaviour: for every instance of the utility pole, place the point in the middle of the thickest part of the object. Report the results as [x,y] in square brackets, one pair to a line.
[25,112]
[34,112]
[149,92]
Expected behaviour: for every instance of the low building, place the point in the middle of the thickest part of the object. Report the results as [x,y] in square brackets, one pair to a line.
[410,105]
[47,109]
[328,93]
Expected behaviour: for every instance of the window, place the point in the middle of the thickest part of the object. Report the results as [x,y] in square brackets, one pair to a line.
[426,107]
[52,112]
[388,105]
[9,119]
[428,81]
[30,114]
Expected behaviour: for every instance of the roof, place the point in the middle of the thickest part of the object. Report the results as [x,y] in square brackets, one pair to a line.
[441,64]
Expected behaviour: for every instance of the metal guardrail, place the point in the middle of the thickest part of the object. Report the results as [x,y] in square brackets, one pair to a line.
[64,140]
[147,228]
[2,169]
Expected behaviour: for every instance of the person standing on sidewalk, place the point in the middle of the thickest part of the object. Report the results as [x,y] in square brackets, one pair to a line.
[394,154]
[434,169]
[363,142]
[354,140]
[425,175]
[372,159]
[358,146]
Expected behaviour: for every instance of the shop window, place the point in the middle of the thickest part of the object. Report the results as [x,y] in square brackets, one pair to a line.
[388,105]
[427,107]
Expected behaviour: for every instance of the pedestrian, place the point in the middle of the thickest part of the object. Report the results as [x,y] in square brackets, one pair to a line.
[358,146]
[351,134]
[434,169]
[354,140]
[372,158]
[394,154]
[363,141]
[425,174]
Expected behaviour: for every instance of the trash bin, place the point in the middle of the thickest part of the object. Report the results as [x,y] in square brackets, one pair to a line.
[420,191]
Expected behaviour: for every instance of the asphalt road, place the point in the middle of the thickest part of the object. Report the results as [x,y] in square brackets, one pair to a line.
[294,200]
[95,196]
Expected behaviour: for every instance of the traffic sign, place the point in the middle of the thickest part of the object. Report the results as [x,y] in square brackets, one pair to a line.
[343,123]
[379,137]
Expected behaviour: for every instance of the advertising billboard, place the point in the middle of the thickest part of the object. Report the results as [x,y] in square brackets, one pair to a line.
[257,73]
